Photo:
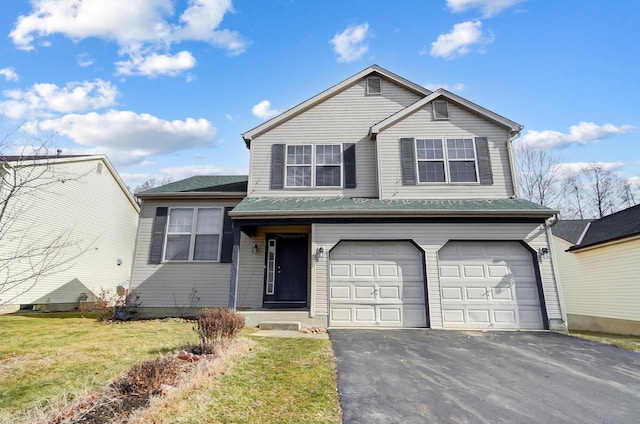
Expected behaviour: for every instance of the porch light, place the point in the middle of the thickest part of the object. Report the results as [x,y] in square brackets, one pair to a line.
[320,252]
[544,252]
[254,248]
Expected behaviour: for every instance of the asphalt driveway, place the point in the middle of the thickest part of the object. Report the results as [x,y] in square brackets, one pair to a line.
[431,376]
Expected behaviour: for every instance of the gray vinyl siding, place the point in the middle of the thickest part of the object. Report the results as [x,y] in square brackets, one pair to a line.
[601,282]
[431,238]
[171,284]
[462,124]
[342,118]
[251,275]
[98,220]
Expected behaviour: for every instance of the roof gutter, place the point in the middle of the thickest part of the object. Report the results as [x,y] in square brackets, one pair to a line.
[391,214]
[193,195]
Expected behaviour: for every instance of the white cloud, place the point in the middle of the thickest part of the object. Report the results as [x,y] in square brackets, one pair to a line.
[458,42]
[583,133]
[84,60]
[350,44]
[567,169]
[9,74]
[433,86]
[141,27]
[263,110]
[47,99]
[488,7]
[155,64]
[181,172]
[128,137]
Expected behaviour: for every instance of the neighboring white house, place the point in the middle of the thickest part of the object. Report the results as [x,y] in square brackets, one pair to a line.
[376,203]
[599,267]
[67,233]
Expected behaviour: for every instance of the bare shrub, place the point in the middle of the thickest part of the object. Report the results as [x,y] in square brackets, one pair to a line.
[146,377]
[103,305]
[215,325]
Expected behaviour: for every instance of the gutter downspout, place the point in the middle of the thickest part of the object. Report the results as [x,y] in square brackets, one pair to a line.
[512,162]
[554,268]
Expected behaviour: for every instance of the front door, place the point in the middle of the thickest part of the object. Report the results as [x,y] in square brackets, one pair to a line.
[286,271]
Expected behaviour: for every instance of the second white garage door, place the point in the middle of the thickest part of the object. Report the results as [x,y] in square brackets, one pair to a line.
[488,285]
[376,284]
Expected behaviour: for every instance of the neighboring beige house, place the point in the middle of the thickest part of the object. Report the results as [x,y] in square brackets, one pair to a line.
[599,268]
[72,225]
[376,203]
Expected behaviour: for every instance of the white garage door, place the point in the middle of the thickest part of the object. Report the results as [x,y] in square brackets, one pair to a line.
[376,284]
[488,285]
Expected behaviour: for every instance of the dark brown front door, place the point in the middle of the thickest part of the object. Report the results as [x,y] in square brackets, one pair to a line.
[286,271]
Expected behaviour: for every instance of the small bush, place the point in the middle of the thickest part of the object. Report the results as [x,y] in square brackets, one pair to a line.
[215,325]
[146,377]
[102,305]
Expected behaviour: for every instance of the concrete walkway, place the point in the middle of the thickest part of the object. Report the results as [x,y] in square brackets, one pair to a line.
[290,334]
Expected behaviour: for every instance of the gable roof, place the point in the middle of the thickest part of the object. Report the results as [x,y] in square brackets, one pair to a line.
[570,229]
[339,207]
[514,126]
[39,160]
[201,185]
[372,70]
[619,225]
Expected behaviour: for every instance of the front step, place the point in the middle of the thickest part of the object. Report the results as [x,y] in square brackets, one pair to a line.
[279,325]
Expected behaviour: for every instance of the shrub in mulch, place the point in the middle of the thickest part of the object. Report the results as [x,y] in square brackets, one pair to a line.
[126,394]
[215,326]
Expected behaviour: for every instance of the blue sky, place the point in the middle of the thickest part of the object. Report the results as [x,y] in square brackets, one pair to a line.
[165,88]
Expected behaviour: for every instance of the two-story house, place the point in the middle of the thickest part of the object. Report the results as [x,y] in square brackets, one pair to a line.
[376,203]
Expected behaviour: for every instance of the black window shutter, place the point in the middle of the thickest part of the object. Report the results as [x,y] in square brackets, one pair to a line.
[349,160]
[157,235]
[226,255]
[484,160]
[277,166]
[408,161]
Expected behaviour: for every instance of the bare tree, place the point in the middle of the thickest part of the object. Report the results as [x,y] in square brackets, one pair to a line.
[538,174]
[24,260]
[151,183]
[595,192]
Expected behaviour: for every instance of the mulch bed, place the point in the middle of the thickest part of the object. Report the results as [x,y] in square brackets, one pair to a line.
[131,391]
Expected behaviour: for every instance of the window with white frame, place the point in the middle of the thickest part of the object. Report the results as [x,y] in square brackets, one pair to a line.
[193,234]
[456,163]
[319,165]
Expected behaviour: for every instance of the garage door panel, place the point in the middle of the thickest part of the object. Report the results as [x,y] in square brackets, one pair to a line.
[505,297]
[340,292]
[386,285]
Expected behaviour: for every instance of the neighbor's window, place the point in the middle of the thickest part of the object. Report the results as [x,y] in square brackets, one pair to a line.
[320,169]
[193,234]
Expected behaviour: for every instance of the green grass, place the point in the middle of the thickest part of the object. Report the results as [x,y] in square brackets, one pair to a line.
[46,357]
[631,343]
[281,381]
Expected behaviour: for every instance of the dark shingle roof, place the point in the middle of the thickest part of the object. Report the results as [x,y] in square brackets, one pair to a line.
[203,184]
[331,205]
[570,229]
[625,223]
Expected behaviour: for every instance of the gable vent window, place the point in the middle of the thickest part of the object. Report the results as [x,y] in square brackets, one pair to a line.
[440,110]
[374,86]
[99,168]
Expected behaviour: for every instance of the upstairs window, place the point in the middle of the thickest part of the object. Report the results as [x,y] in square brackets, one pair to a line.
[455,164]
[462,160]
[320,164]
[329,165]
[299,166]
[193,234]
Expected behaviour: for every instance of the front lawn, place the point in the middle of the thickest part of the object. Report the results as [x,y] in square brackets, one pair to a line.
[47,357]
[53,358]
